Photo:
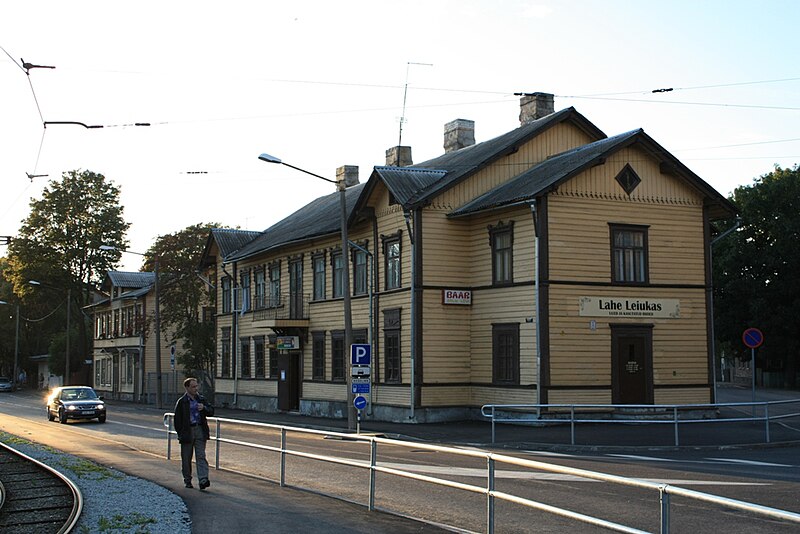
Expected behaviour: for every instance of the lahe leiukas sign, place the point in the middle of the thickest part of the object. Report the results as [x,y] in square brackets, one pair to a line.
[630,307]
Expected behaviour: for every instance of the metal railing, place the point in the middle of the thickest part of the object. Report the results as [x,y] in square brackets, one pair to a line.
[664,491]
[659,414]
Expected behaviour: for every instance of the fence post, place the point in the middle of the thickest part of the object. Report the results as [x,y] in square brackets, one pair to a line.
[283,457]
[489,494]
[664,498]
[572,424]
[766,419]
[373,462]
[675,418]
[216,445]
[492,424]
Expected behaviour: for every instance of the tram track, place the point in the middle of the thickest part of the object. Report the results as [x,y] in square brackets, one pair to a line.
[35,498]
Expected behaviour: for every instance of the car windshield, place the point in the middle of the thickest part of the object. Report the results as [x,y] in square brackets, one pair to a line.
[78,394]
[4,380]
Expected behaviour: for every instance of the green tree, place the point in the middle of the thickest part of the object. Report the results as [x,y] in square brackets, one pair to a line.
[184,294]
[755,273]
[59,245]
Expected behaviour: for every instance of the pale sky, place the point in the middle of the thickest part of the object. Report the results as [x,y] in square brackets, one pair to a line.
[321,84]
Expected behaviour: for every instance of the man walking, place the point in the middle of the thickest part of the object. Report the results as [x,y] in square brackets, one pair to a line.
[191,425]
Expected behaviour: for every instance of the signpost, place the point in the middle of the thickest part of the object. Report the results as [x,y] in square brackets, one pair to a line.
[753,338]
[360,403]
[360,371]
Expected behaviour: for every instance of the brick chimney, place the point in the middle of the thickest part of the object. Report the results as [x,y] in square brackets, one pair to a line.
[399,156]
[350,174]
[458,134]
[533,106]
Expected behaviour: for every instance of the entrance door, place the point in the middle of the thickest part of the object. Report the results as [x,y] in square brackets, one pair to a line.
[632,364]
[289,381]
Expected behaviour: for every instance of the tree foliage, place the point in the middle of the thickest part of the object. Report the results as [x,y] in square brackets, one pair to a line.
[59,245]
[755,272]
[184,294]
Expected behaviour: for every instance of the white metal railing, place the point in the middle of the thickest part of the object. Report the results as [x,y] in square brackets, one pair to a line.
[664,491]
[510,413]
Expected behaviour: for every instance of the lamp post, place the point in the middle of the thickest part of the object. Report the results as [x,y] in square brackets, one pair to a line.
[69,302]
[348,320]
[16,341]
[156,318]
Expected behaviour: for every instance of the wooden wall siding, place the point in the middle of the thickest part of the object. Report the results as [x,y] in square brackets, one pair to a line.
[577,396]
[481,395]
[656,187]
[481,249]
[391,396]
[445,396]
[447,249]
[502,305]
[698,395]
[259,387]
[559,138]
[328,391]
[223,385]
[580,242]
[580,356]
[446,334]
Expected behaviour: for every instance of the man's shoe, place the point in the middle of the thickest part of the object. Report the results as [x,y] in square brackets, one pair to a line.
[204,484]
[188,485]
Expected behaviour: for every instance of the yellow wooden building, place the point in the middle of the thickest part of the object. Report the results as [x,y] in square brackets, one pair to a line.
[552,264]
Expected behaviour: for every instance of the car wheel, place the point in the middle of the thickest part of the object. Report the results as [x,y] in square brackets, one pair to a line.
[101,419]
[62,416]
[50,416]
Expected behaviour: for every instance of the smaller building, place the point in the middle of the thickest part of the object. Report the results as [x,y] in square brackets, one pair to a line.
[125,351]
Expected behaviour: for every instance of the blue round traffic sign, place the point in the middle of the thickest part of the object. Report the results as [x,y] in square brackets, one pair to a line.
[753,338]
[360,402]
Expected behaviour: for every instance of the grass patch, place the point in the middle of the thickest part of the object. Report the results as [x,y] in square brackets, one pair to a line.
[136,521]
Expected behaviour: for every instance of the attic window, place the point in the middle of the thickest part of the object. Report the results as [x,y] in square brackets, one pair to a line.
[628,179]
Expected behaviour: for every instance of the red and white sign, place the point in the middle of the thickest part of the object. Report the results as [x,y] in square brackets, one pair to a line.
[461,297]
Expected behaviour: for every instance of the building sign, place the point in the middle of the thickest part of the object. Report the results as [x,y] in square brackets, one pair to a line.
[630,307]
[462,297]
[287,343]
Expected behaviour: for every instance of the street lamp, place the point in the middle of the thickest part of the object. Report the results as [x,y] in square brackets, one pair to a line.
[348,321]
[16,341]
[69,301]
[157,318]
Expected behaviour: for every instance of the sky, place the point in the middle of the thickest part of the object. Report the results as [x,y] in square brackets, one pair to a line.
[322,84]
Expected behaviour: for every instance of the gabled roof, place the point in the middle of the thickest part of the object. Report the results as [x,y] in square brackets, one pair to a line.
[228,240]
[319,218]
[131,279]
[417,184]
[547,175]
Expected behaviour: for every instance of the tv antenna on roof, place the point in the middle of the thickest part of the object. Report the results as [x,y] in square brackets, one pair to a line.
[405,95]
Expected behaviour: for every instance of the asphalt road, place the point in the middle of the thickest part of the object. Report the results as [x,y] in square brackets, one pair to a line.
[768,476]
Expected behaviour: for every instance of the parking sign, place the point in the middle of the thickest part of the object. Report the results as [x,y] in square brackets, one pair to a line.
[360,354]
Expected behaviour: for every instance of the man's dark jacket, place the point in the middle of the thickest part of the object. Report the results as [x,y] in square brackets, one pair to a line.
[183,420]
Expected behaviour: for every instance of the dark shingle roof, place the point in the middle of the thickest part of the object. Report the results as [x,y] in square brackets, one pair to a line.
[131,279]
[548,174]
[319,218]
[230,240]
[436,175]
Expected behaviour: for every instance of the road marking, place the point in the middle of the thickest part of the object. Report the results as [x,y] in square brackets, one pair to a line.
[481,473]
[648,458]
[748,462]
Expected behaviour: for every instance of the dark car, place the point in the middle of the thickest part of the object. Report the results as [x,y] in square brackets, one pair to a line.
[75,402]
[6,384]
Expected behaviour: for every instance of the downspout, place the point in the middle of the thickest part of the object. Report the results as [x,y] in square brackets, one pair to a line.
[369,328]
[537,309]
[736,225]
[407,215]
[234,331]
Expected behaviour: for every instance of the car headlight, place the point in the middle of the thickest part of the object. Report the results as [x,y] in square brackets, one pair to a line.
[72,408]
[101,407]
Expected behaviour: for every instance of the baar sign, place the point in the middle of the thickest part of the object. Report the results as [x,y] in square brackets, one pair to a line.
[630,307]
[461,297]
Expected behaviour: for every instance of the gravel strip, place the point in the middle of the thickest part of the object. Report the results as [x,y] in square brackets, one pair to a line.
[107,503]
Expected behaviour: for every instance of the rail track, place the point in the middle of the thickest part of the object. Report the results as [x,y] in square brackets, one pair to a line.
[34,498]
